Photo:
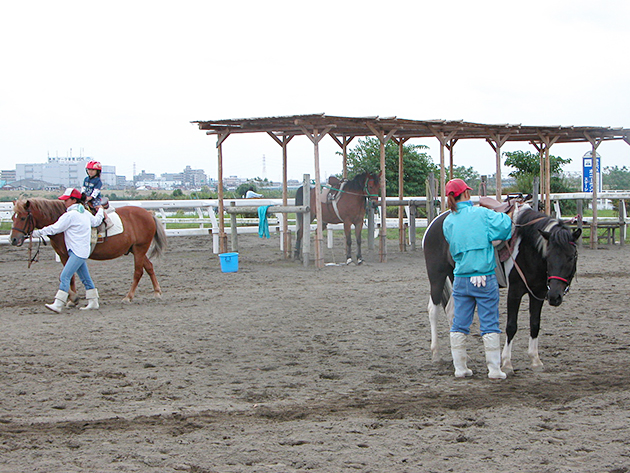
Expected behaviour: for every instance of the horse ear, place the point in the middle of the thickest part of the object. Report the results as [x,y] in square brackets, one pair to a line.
[576,234]
[27,205]
[545,234]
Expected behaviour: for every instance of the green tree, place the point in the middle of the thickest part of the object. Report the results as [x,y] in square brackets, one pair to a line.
[616,178]
[527,167]
[366,157]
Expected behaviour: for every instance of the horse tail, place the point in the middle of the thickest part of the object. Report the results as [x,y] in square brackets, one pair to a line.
[158,246]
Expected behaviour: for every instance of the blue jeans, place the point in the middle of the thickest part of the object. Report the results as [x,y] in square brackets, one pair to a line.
[75,265]
[466,297]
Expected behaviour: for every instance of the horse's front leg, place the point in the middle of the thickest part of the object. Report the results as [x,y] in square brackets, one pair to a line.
[347,229]
[535,308]
[513,304]
[357,233]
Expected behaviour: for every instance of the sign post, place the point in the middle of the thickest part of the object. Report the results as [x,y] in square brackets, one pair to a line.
[587,173]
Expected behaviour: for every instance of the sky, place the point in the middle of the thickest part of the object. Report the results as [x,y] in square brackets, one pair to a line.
[121,81]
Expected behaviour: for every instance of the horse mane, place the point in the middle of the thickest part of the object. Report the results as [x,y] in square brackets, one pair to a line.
[49,209]
[559,233]
[357,183]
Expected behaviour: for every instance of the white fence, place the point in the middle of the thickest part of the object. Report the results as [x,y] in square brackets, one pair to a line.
[207,222]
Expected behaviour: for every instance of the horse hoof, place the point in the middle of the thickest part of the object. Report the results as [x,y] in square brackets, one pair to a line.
[359,261]
[126,300]
[349,261]
[158,295]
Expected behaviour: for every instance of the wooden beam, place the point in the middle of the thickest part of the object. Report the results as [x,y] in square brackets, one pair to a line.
[496,141]
[383,138]
[595,142]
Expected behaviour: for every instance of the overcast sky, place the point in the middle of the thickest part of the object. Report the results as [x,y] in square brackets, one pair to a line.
[120,81]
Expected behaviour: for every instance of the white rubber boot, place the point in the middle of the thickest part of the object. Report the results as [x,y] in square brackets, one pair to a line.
[458,351]
[92,297]
[60,301]
[492,344]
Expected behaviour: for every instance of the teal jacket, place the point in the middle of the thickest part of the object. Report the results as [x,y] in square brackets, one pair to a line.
[470,232]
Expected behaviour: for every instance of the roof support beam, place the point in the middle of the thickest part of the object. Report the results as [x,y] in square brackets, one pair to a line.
[496,141]
[383,138]
[343,144]
[316,137]
[222,235]
[451,151]
[595,142]
[443,139]
[401,192]
[286,235]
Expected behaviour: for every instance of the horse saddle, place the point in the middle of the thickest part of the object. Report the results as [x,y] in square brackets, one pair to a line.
[331,193]
[503,249]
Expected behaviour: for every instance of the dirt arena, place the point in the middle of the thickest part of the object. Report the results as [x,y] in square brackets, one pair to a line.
[278,368]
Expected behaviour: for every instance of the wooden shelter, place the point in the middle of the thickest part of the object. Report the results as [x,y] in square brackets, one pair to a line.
[448,132]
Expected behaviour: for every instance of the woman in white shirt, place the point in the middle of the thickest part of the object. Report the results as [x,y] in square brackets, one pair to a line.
[76,225]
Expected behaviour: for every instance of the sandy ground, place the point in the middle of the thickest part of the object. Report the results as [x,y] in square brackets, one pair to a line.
[278,368]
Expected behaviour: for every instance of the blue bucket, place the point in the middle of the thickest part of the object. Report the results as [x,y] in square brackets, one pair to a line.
[229,262]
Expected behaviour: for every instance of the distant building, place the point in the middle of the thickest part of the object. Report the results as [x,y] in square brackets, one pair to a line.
[194,177]
[144,176]
[8,176]
[65,172]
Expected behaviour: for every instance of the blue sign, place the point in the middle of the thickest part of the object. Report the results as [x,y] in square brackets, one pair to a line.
[587,173]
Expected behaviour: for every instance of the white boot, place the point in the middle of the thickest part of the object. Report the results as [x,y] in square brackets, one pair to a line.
[458,350]
[92,296]
[60,301]
[492,344]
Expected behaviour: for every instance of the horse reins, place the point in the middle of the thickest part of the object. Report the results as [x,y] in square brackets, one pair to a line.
[29,220]
[520,271]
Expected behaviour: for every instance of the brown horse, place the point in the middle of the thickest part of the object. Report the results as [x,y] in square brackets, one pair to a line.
[141,229]
[347,207]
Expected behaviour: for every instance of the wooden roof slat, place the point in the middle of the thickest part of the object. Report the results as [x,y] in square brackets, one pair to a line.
[406,128]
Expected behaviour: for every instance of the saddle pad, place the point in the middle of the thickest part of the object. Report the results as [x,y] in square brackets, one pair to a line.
[114,226]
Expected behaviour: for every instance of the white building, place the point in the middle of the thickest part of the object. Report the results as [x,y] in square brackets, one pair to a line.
[66,172]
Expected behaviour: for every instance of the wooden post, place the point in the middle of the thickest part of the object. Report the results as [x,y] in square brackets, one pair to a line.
[535,190]
[451,152]
[483,186]
[580,220]
[233,230]
[286,235]
[383,138]
[306,221]
[431,193]
[496,141]
[222,235]
[370,226]
[623,218]
[595,142]
[412,226]
[401,192]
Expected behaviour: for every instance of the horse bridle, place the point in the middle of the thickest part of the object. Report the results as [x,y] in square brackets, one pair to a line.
[27,234]
[29,220]
[520,272]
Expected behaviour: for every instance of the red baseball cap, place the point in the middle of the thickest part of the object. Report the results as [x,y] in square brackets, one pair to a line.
[70,192]
[456,187]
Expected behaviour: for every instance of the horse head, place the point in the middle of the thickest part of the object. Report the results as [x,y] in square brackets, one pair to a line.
[561,260]
[373,185]
[23,222]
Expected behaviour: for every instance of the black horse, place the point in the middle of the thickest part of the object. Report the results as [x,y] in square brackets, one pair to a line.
[542,262]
